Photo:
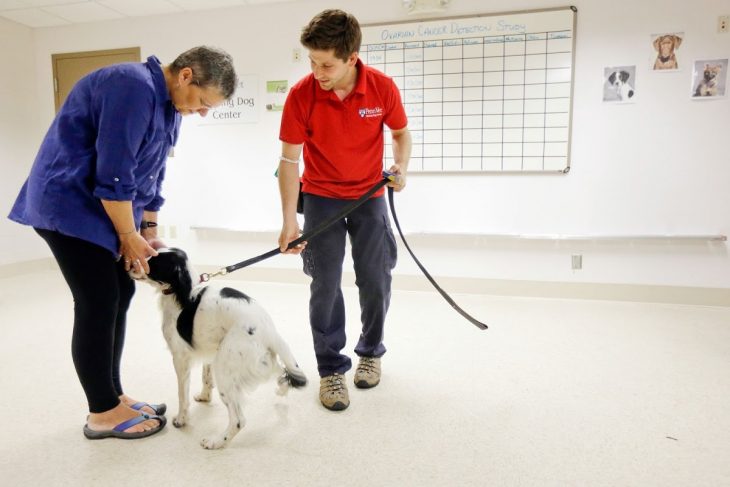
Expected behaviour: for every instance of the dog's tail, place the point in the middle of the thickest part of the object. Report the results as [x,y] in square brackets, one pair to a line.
[293,375]
[294,379]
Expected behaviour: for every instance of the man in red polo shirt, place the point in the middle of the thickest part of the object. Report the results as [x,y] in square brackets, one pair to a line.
[336,116]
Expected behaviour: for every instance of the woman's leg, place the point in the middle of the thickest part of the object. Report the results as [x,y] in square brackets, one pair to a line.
[92,274]
[126,292]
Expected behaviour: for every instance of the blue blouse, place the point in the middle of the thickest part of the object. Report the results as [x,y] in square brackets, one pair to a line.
[109,141]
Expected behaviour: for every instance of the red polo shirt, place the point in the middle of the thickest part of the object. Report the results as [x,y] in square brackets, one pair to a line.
[343,139]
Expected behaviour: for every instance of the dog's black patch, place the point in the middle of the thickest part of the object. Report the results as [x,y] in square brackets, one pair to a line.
[251,330]
[229,292]
[187,316]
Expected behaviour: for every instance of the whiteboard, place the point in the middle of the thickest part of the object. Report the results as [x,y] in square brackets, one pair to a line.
[483,93]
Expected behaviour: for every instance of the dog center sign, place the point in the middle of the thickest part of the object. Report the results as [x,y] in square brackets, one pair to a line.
[242,107]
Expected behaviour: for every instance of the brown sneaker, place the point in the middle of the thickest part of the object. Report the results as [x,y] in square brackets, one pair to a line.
[333,392]
[367,374]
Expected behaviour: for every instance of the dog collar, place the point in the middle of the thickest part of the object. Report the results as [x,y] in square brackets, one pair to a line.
[665,59]
[168,291]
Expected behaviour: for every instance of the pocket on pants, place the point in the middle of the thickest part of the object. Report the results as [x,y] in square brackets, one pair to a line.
[308,262]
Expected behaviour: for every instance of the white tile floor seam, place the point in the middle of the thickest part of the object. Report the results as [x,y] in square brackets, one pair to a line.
[555,393]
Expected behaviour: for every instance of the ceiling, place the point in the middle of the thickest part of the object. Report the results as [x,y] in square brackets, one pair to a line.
[49,13]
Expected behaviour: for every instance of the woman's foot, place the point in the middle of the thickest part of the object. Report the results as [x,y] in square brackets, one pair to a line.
[128,401]
[110,419]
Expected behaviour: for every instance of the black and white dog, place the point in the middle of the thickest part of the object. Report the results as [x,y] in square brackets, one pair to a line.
[620,82]
[223,328]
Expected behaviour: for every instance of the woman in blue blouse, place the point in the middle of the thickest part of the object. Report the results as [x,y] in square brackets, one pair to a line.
[93,195]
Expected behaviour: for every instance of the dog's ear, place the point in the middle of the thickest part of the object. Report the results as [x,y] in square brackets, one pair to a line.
[624,76]
[612,78]
[677,41]
[179,252]
[657,41]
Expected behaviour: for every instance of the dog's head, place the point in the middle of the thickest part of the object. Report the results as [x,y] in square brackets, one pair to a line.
[618,78]
[666,44]
[711,71]
[170,272]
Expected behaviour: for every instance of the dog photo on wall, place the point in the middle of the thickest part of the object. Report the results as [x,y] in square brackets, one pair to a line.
[665,55]
[709,78]
[619,84]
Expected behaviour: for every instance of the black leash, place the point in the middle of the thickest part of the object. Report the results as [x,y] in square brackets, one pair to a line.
[304,238]
[448,299]
[325,224]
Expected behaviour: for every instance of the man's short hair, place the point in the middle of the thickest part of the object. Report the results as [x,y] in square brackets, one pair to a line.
[333,29]
[212,67]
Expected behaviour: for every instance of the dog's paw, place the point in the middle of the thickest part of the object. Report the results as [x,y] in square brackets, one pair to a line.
[180,420]
[213,444]
[202,397]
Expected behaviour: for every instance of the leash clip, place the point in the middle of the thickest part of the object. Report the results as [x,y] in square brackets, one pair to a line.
[205,277]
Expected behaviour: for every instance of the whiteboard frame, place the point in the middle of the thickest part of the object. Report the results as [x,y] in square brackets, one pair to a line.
[574,9]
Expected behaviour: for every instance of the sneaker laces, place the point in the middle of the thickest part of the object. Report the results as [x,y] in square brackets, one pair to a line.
[367,365]
[334,383]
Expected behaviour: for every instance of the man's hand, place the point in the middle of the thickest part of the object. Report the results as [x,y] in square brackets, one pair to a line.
[289,233]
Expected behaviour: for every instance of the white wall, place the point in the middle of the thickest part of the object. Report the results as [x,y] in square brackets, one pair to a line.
[19,135]
[657,166]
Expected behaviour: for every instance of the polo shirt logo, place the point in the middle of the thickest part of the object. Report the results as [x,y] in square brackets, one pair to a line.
[370,112]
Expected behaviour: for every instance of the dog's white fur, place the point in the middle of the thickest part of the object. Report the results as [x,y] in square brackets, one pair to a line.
[231,334]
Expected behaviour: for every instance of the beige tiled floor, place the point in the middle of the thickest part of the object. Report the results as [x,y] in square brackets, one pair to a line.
[555,393]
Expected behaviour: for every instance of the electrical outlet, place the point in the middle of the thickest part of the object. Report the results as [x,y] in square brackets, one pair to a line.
[173,231]
[296,55]
[576,262]
[723,24]
[161,231]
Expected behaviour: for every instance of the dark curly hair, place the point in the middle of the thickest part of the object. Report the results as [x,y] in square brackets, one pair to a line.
[333,29]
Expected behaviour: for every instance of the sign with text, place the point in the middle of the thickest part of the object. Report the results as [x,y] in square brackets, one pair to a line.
[241,108]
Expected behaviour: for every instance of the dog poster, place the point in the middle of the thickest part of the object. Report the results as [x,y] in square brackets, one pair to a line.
[665,51]
[709,78]
[619,84]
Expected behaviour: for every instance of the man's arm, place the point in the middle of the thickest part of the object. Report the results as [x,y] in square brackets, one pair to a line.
[402,155]
[289,191]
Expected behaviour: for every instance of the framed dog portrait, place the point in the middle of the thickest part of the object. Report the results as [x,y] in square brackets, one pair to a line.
[665,51]
[619,84]
[709,79]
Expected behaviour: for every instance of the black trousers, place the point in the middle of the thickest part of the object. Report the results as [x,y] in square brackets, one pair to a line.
[102,291]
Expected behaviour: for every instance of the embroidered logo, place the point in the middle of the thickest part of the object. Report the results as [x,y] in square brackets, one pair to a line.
[370,112]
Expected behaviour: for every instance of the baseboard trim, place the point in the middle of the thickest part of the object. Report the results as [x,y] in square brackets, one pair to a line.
[502,287]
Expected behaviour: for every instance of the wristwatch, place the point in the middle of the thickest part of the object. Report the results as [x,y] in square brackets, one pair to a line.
[145,224]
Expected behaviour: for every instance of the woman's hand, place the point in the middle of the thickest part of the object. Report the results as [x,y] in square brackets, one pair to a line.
[135,251]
